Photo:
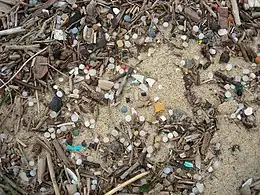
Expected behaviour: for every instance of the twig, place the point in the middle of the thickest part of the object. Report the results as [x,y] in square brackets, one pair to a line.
[235,11]
[55,69]
[23,47]
[12,31]
[126,183]
[26,84]
[209,9]
[130,170]
[61,153]
[24,64]
[52,174]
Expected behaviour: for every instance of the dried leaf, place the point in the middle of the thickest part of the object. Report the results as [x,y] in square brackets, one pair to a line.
[40,68]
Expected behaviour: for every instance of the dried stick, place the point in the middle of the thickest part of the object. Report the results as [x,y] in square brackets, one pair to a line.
[235,11]
[24,64]
[126,183]
[52,174]
[209,9]
[11,31]
[61,153]
[23,47]
[130,170]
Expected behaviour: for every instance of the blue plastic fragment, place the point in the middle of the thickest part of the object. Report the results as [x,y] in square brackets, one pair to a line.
[151,33]
[127,18]
[124,109]
[75,30]
[74,148]
[188,164]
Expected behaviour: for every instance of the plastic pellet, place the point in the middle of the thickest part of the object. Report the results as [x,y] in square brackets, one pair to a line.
[185,44]
[175,134]
[75,91]
[201,36]
[170,135]
[141,118]
[92,72]
[32,173]
[135,36]
[90,158]
[105,139]
[142,133]
[228,94]
[212,51]
[229,67]
[31,163]
[53,136]
[30,103]
[63,128]
[150,149]
[114,133]
[122,140]
[245,78]
[47,135]
[127,37]
[248,111]
[106,95]
[128,44]
[74,117]
[128,118]
[111,66]
[246,71]
[59,94]
[58,131]
[195,28]
[155,20]
[165,139]
[165,24]
[94,182]
[93,187]
[92,121]
[167,170]
[79,161]
[81,66]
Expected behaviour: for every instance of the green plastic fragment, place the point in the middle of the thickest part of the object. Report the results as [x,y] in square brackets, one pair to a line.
[75,132]
[188,164]
[144,188]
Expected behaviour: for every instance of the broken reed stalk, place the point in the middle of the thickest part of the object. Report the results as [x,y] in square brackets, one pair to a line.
[52,174]
[12,31]
[24,64]
[126,183]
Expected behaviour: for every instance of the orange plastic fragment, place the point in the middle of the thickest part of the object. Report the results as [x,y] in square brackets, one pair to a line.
[159,107]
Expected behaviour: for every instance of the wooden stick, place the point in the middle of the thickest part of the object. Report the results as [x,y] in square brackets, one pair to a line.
[12,31]
[209,9]
[52,174]
[24,64]
[126,183]
[130,170]
[235,11]
[23,47]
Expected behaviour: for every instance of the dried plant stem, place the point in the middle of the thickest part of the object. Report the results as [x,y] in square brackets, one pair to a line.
[126,183]
[52,174]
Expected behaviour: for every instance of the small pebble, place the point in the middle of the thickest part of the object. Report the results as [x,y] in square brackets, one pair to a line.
[183,37]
